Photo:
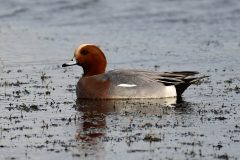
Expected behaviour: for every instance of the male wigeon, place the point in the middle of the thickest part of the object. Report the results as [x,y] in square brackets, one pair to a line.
[95,83]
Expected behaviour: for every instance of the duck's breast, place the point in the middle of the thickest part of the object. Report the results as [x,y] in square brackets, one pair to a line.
[93,87]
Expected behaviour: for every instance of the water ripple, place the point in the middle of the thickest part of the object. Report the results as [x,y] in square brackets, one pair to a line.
[13,13]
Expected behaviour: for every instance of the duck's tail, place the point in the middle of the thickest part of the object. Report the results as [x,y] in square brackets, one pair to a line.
[181,87]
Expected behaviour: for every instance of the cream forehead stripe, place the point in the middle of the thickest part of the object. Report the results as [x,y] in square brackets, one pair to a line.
[79,48]
[83,45]
[127,85]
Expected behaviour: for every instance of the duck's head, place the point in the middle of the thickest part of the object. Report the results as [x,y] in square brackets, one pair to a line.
[90,58]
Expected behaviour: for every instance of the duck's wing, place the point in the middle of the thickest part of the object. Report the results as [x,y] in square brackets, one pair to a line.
[181,79]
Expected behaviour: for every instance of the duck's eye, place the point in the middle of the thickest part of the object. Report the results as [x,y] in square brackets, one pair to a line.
[84,52]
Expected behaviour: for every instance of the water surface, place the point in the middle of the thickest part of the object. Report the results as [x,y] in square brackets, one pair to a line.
[41,119]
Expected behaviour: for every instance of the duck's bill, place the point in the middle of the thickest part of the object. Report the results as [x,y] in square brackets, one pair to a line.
[70,63]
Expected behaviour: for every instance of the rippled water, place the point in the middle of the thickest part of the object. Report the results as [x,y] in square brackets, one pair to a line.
[40,118]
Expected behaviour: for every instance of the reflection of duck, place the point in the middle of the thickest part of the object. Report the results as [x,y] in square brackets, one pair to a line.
[95,112]
[101,120]
[96,84]
[132,106]
[93,126]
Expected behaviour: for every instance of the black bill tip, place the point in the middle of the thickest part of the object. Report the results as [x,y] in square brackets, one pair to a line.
[64,65]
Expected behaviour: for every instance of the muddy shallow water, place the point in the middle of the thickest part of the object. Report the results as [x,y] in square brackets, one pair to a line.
[41,118]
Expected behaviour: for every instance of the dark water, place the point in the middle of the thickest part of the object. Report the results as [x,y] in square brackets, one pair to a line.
[40,118]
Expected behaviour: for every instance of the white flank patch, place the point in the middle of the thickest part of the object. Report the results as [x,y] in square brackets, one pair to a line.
[127,85]
[170,91]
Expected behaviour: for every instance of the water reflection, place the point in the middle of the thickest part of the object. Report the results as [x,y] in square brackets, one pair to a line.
[96,113]
[130,105]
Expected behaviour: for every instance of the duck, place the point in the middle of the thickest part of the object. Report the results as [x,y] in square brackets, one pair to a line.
[97,83]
